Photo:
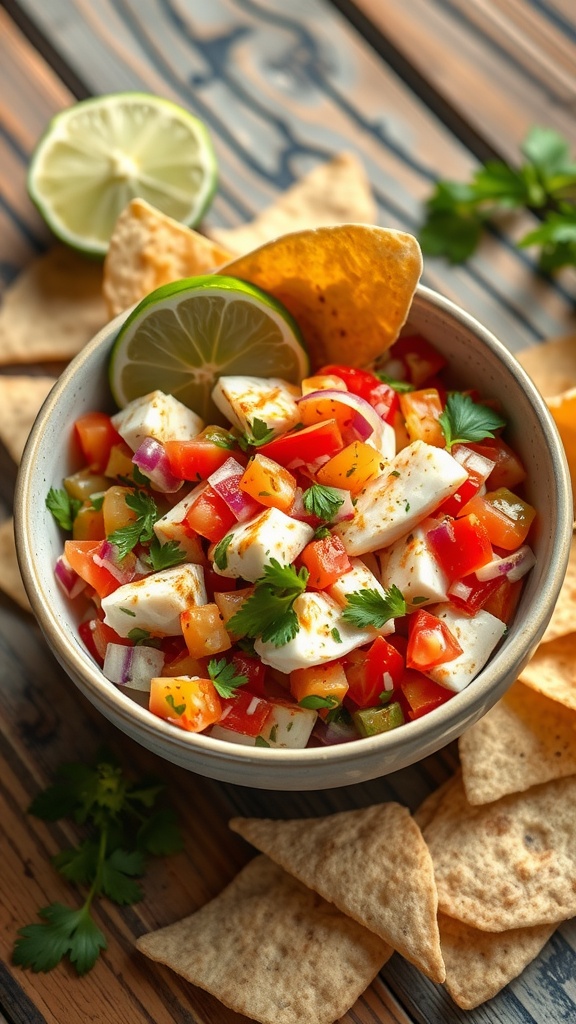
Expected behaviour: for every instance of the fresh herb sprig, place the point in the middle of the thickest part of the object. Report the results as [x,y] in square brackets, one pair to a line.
[368,607]
[123,825]
[464,420]
[259,433]
[268,612]
[545,181]
[322,502]
[63,507]
[141,530]
[225,677]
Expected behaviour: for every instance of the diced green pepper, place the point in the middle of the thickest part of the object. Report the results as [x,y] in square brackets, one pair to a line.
[371,721]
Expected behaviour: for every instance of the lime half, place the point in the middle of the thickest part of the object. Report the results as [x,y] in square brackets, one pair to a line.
[97,155]
[185,335]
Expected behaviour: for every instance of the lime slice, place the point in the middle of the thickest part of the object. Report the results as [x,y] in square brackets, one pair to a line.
[185,335]
[97,155]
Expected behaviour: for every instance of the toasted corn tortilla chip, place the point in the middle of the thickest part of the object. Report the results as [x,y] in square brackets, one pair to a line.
[551,365]
[552,670]
[52,309]
[524,740]
[481,964]
[148,249]
[10,578]
[508,864]
[563,619]
[20,400]
[272,949]
[425,812]
[348,287]
[393,894]
[335,192]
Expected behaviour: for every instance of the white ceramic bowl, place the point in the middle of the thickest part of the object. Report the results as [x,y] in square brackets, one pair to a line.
[478,359]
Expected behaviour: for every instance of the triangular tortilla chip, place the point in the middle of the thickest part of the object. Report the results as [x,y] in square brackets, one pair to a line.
[508,864]
[551,365]
[393,892]
[563,619]
[270,948]
[20,400]
[425,812]
[148,249]
[52,308]
[10,578]
[525,739]
[552,670]
[335,192]
[481,964]
[349,287]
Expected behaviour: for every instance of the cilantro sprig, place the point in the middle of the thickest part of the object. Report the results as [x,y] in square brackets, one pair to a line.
[464,420]
[370,608]
[225,677]
[544,181]
[322,501]
[268,612]
[123,825]
[259,433]
[164,556]
[141,530]
[63,507]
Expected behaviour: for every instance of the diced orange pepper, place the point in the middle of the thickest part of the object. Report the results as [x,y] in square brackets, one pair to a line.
[316,410]
[230,601]
[190,704]
[421,410]
[89,524]
[351,468]
[269,483]
[506,517]
[115,511]
[120,461]
[204,631]
[326,681]
[326,560]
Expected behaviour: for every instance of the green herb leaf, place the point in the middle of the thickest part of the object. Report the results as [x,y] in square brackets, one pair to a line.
[225,678]
[366,608]
[63,507]
[220,555]
[401,386]
[164,556]
[314,702]
[465,420]
[258,434]
[322,501]
[65,932]
[116,874]
[141,531]
[268,612]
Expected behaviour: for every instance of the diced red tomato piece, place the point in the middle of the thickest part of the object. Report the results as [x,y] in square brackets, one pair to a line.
[478,466]
[460,546]
[359,382]
[421,359]
[430,642]
[372,671]
[422,694]
[96,435]
[504,601]
[470,594]
[209,516]
[245,712]
[80,556]
[195,459]
[304,447]
[255,671]
[326,560]
[509,470]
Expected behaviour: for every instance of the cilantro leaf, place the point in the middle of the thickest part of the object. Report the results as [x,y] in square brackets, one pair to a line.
[401,386]
[164,556]
[463,420]
[220,551]
[268,612]
[159,834]
[259,433]
[322,501]
[65,932]
[63,507]
[370,608]
[141,530]
[116,876]
[313,701]
[225,678]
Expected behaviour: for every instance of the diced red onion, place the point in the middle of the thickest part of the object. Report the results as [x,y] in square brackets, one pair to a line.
[132,667]
[513,566]
[365,423]
[152,460]
[123,570]
[475,464]
[67,578]
[225,481]
[327,734]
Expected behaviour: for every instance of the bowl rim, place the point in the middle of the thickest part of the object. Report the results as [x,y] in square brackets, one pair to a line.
[445,718]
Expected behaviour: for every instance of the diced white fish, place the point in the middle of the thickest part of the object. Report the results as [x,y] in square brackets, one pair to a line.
[155,603]
[245,399]
[477,636]
[156,415]
[271,534]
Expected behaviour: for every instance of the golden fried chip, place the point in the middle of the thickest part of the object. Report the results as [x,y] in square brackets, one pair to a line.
[10,578]
[348,287]
[335,192]
[20,401]
[480,964]
[508,864]
[272,949]
[525,739]
[551,365]
[552,670]
[425,812]
[563,619]
[563,409]
[52,308]
[149,249]
[394,894]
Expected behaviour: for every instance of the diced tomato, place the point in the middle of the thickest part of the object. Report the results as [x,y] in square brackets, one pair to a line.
[88,523]
[254,670]
[478,466]
[245,713]
[422,694]
[373,671]
[269,483]
[326,560]
[422,410]
[351,468]
[460,546]
[470,594]
[328,682]
[197,458]
[86,634]
[96,435]
[421,360]
[508,471]
[504,601]
[209,516]
[359,382]
[204,631]
[505,517]
[80,555]
[190,704]
[430,642]
[306,446]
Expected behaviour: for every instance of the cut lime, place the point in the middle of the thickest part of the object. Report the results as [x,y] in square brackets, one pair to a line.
[97,155]
[185,335]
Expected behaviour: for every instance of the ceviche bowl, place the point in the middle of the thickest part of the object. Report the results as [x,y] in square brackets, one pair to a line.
[477,360]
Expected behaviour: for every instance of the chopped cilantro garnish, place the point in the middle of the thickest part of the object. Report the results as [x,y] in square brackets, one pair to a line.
[268,612]
[164,556]
[370,608]
[141,530]
[63,507]
[258,434]
[225,678]
[322,502]
[220,555]
[313,701]
[465,420]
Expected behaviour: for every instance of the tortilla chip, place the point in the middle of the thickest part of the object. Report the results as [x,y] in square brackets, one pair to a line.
[563,409]
[52,308]
[524,740]
[20,401]
[507,864]
[480,964]
[551,365]
[10,578]
[148,249]
[425,812]
[270,948]
[563,619]
[393,895]
[552,670]
[348,287]
[335,192]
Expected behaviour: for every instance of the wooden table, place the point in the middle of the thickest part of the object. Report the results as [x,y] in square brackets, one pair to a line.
[418,89]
